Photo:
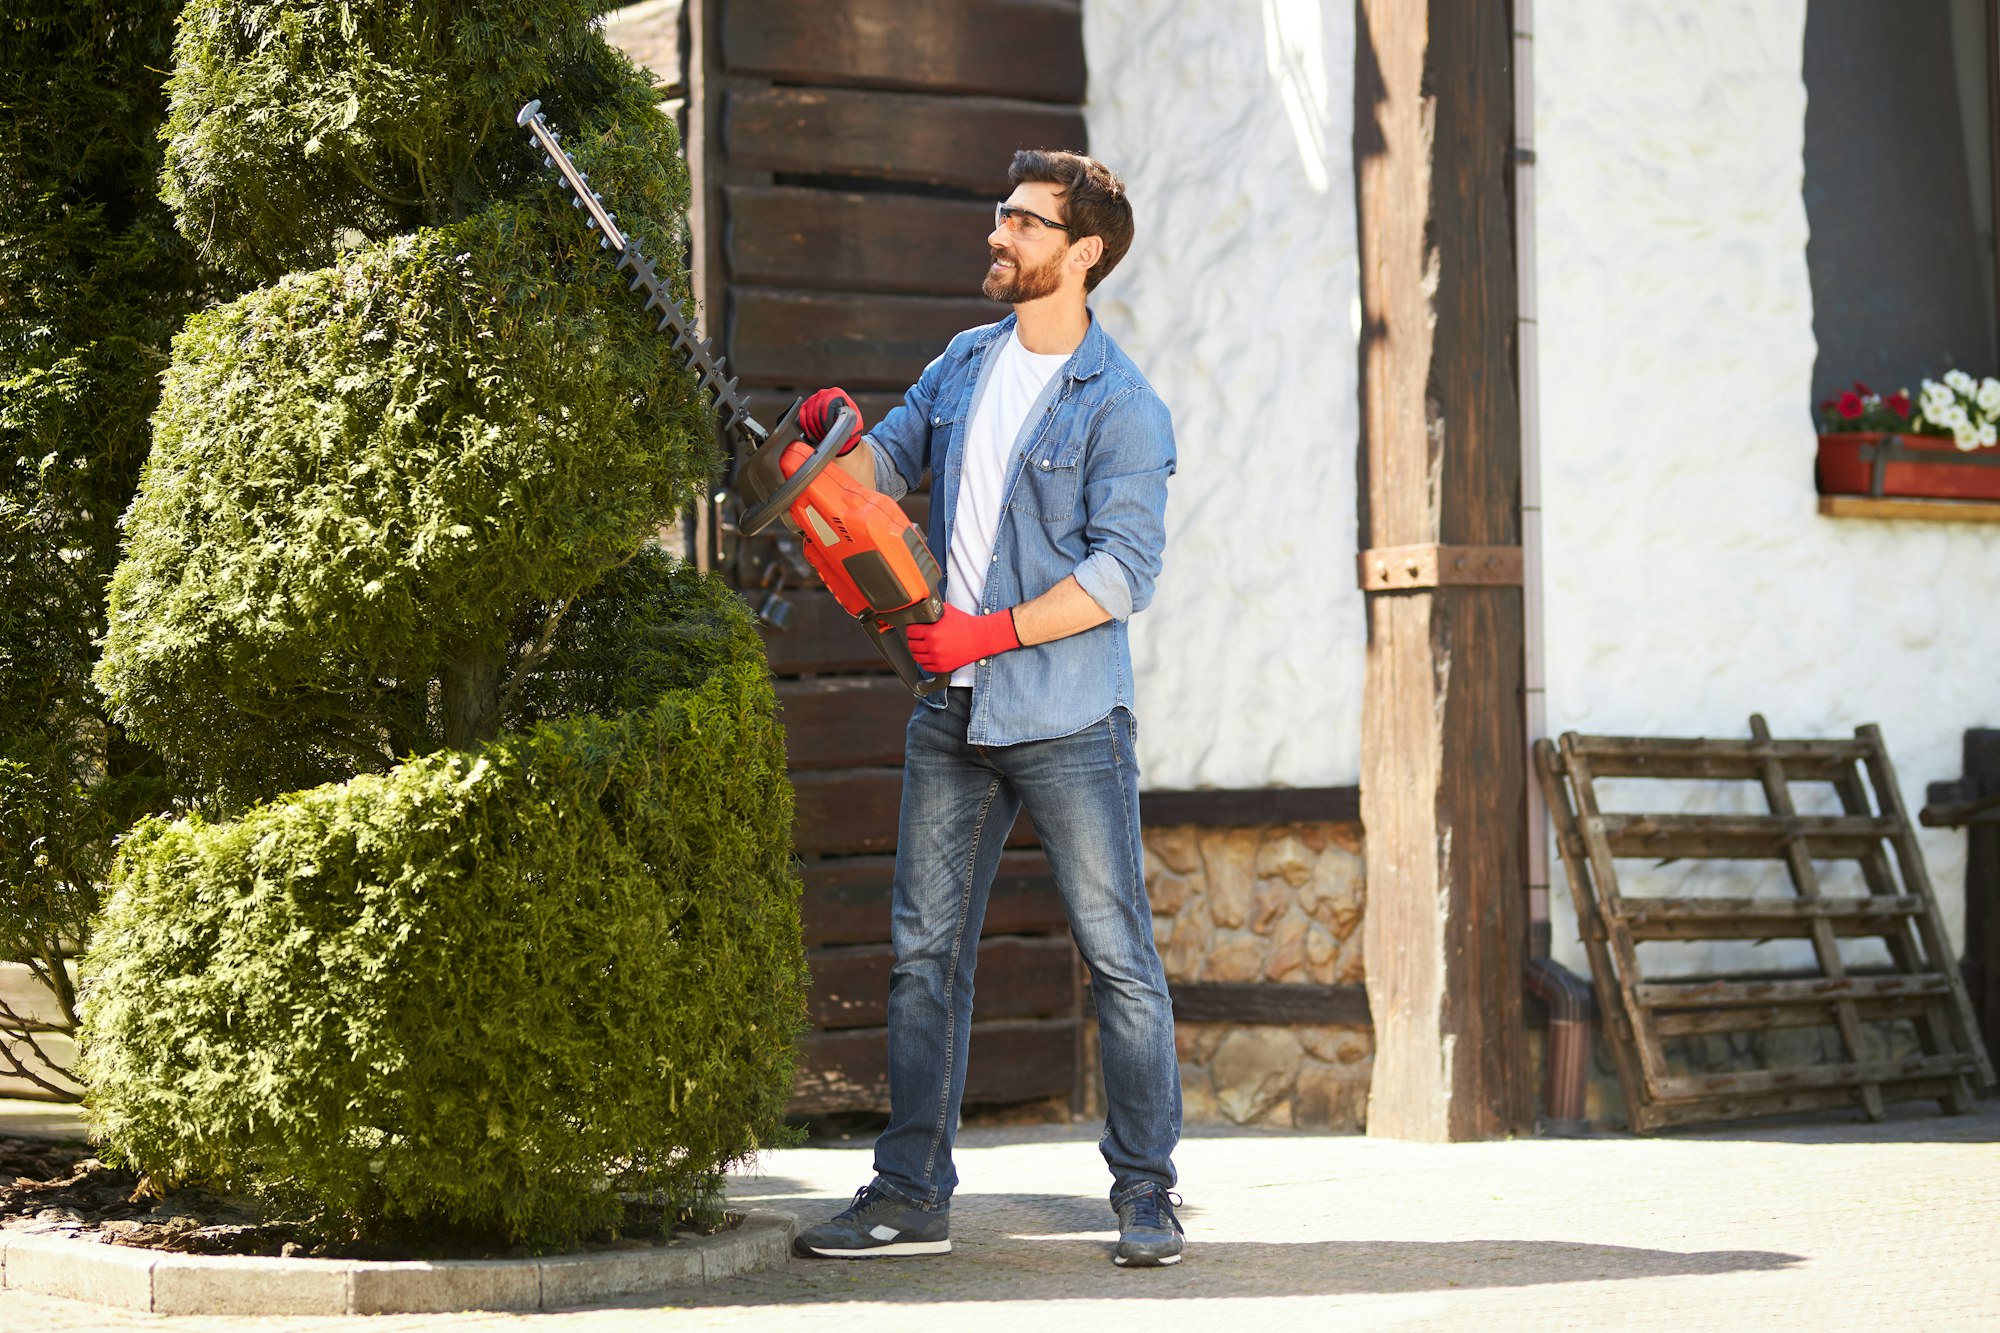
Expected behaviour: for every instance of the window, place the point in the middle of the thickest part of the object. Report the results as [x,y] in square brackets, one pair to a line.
[1899,190]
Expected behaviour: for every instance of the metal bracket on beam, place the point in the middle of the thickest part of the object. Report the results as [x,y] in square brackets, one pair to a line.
[1406,568]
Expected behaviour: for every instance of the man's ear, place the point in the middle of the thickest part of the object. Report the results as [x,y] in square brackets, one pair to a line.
[1085,253]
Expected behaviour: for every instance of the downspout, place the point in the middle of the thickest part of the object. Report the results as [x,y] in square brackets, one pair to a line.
[1566,1056]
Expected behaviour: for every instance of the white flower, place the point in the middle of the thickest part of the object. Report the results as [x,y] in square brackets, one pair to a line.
[1960,382]
[1966,437]
[1988,397]
[1989,435]
[1956,417]
[1936,399]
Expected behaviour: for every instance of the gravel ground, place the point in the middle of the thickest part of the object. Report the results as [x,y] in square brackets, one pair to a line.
[1820,1224]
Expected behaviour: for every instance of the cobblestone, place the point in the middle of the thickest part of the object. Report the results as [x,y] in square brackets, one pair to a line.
[1824,1224]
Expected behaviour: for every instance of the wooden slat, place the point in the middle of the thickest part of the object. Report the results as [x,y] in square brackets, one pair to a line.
[1014,1061]
[1645,1044]
[1665,1115]
[1017,977]
[1023,48]
[1741,837]
[1283,1004]
[1770,1018]
[781,236]
[1815,990]
[847,811]
[847,899]
[1676,757]
[1934,1024]
[1857,1075]
[855,341]
[962,142]
[1805,879]
[843,721]
[1256,805]
[1929,924]
[1764,918]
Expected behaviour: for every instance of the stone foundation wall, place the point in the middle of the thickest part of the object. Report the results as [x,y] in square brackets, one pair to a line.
[1278,904]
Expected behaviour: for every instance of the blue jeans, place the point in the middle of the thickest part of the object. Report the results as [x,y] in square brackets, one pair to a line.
[959,802]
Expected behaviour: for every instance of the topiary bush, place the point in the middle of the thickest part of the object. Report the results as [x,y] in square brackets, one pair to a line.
[481,910]
[480,990]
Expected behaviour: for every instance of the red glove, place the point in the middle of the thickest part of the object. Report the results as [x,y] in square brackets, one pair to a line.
[957,638]
[816,415]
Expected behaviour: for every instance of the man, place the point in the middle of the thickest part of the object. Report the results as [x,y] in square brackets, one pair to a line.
[1050,455]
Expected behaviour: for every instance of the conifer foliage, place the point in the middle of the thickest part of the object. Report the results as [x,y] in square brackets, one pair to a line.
[483,914]
[93,282]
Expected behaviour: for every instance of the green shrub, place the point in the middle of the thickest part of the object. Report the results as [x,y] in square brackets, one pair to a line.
[475,989]
[391,472]
[93,282]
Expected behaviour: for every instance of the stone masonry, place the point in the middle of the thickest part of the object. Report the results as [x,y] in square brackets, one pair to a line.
[1278,904]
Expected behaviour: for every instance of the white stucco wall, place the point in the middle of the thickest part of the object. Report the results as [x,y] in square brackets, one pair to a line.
[1690,580]
[1230,121]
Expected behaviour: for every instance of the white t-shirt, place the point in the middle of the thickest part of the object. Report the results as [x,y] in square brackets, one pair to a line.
[1016,380]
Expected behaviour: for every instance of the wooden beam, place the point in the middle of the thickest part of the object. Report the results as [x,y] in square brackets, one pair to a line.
[1285,1004]
[961,142]
[1020,48]
[1444,754]
[785,236]
[854,340]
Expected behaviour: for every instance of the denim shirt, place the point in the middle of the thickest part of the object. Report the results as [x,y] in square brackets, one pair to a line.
[1085,494]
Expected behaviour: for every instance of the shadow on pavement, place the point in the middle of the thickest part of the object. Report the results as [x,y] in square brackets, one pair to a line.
[1009,1247]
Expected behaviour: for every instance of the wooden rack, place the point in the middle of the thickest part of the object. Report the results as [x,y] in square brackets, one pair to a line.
[1922,988]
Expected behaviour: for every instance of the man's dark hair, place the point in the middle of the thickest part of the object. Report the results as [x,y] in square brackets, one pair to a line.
[1094,202]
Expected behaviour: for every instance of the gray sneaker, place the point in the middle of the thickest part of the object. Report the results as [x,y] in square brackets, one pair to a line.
[1149,1235]
[877,1225]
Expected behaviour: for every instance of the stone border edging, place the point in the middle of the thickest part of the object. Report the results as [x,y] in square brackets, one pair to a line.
[162,1282]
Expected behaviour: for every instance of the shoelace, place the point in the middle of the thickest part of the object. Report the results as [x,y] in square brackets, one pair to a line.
[1147,1213]
[864,1196]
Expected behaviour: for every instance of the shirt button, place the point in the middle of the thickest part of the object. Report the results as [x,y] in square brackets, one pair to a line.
[985,661]
[1045,465]
[996,557]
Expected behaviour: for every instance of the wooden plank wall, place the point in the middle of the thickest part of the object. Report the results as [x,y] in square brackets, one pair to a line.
[847,158]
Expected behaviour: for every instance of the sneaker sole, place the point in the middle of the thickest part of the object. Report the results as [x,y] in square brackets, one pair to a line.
[1160,1262]
[890,1251]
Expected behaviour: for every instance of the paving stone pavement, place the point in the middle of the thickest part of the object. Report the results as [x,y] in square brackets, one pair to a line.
[1812,1224]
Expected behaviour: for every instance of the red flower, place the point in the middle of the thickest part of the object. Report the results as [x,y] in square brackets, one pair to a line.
[1899,403]
[1850,405]
[1861,388]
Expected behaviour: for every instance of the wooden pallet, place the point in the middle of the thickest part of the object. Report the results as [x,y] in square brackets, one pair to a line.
[1923,988]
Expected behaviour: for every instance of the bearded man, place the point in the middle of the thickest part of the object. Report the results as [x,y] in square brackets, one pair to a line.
[1049,455]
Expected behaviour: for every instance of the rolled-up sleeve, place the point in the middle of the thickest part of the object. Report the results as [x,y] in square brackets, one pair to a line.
[1125,503]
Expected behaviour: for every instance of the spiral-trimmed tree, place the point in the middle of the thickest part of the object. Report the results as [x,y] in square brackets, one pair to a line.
[484,914]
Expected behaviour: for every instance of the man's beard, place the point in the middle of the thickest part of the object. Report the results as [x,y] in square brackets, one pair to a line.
[1020,285]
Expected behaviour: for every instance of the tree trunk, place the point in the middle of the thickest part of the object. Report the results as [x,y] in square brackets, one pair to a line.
[472,680]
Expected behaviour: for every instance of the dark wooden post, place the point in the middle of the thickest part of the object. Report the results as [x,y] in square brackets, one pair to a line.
[1443,751]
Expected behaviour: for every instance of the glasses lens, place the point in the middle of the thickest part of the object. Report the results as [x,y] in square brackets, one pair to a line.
[1018,220]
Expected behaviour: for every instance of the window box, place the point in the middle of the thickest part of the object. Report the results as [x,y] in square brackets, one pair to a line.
[1877,463]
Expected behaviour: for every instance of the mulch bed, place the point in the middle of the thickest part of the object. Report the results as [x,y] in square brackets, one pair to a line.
[55,1188]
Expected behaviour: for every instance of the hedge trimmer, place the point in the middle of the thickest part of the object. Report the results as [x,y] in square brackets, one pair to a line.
[871,557]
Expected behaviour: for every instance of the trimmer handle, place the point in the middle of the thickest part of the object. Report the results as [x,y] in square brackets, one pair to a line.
[767,511]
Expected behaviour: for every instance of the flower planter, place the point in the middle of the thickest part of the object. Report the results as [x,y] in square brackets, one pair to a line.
[1878,463]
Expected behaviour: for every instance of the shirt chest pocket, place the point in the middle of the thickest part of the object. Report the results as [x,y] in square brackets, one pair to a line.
[1050,483]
